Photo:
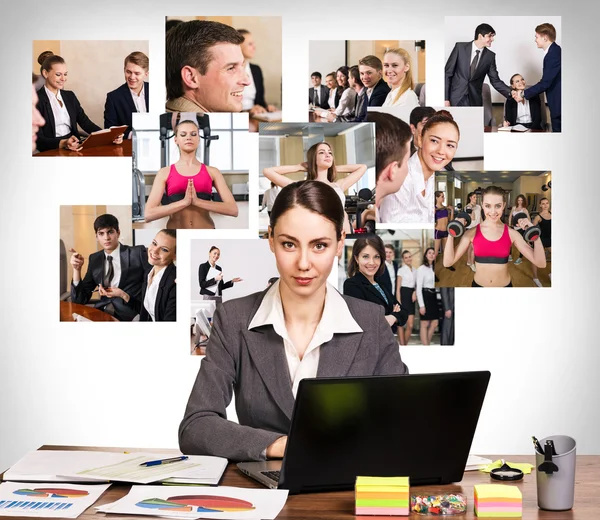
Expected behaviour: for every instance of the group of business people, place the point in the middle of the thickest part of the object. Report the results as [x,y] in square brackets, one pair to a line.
[471,62]
[132,282]
[349,91]
[63,114]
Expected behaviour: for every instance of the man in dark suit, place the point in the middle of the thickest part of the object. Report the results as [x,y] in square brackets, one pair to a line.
[388,277]
[359,114]
[526,112]
[130,97]
[318,94]
[118,272]
[545,36]
[371,75]
[468,65]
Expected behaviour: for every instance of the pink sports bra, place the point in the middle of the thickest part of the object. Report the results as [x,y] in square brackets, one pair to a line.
[177,183]
[491,251]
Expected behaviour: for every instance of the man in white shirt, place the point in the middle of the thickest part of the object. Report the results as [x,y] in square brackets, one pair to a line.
[318,94]
[132,96]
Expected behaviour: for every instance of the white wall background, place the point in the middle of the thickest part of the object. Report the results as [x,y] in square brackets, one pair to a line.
[514,44]
[64,383]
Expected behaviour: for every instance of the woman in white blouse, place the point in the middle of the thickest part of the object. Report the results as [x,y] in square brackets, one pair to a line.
[331,83]
[398,74]
[347,96]
[426,295]
[405,294]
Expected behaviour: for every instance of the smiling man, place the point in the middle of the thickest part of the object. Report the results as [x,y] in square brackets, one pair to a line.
[468,65]
[206,71]
[130,97]
[371,75]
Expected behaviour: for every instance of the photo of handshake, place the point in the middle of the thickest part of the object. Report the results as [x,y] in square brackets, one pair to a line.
[517,95]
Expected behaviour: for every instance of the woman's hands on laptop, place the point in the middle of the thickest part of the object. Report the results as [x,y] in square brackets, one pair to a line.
[277,449]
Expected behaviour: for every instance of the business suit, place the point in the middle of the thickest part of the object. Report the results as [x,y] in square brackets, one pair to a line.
[252,363]
[134,265]
[323,96]
[384,279]
[209,287]
[165,307]
[380,92]
[550,84]
[535,108]
[359,287]
[119,106]
[463,90]
[447,336]
[46,136]
[359,114]
[259,83]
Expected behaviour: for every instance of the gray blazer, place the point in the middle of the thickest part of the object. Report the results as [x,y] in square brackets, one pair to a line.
[252,364]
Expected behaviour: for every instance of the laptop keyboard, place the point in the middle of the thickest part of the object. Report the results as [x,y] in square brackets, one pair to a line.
[273,475]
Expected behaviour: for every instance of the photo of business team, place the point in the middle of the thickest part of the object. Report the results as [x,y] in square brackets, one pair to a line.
[341,155]
[212,65]
[195,168]
[71,130]
[102,278]
[396,270]
[523,69]
[493,229]
[350,78]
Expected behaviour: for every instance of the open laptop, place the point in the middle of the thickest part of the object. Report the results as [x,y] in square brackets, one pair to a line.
[420,426]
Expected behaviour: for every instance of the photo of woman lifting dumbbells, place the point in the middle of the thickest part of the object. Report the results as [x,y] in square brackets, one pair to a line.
[492,241]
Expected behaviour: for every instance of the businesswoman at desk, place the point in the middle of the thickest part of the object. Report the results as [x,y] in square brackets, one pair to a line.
[212,284]
[262,345]
[320,165]
[61,110]
[188,184]
[159,292]
[492,242]
[364,267]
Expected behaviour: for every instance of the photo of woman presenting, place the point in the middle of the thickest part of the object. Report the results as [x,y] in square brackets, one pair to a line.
[492,242]
[159,292]
[188,184]
[365,265]
[426,296]
[262,345]
[61,110]
[210,277]
[320,165]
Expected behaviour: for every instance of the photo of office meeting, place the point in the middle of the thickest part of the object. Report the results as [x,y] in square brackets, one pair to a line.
[442,140]
[509,65]
[110,273]
[190,171]
[395,269]
[341,155]
[86,94]
[224,64]
[493,228]
[349,78]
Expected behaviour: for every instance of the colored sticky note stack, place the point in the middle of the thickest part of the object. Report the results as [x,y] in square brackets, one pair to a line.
[382,496]
[498,501]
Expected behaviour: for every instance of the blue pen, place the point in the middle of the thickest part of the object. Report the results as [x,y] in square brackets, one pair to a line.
[164,461]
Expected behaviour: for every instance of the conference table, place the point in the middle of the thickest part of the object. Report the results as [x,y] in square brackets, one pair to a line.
[340,505]
[111,150]
[67,309]
[494,129]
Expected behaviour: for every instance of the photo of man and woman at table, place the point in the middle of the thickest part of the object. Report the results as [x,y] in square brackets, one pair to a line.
[349,78]
[111,81]
[224,64]
[518,84]
[409,153]
[341,155]
[190,171]
[493,229]
[108,272]
[395,269]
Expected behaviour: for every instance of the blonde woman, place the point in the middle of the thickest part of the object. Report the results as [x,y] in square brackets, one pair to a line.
[398,74]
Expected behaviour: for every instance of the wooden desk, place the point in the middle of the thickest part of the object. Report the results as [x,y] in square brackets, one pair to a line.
[112,150]
[67,309]
[340,505]
[494,129]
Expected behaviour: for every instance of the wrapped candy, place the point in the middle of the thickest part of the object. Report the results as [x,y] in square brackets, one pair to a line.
[439,505]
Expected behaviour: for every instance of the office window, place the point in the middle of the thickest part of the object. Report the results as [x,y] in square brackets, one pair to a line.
[364,144]
[268,155]
[457,183]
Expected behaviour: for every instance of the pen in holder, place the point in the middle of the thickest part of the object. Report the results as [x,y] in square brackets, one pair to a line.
[555,473]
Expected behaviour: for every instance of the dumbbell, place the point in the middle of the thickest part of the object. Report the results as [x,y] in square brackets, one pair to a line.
[456,228]
[532,232]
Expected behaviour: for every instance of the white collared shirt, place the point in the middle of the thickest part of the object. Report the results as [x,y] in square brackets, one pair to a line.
[139,101]
[152,291]
[390,268]
[249,94]
[331,101]
[408,276]
[336,319]
[425,280]
[524,112]
[317,96]
[407,99]
[116,262]
[474,49]
[408,204]
[369,92]
[62,120]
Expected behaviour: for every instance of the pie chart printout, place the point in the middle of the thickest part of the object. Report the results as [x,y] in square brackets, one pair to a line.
[203,503]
